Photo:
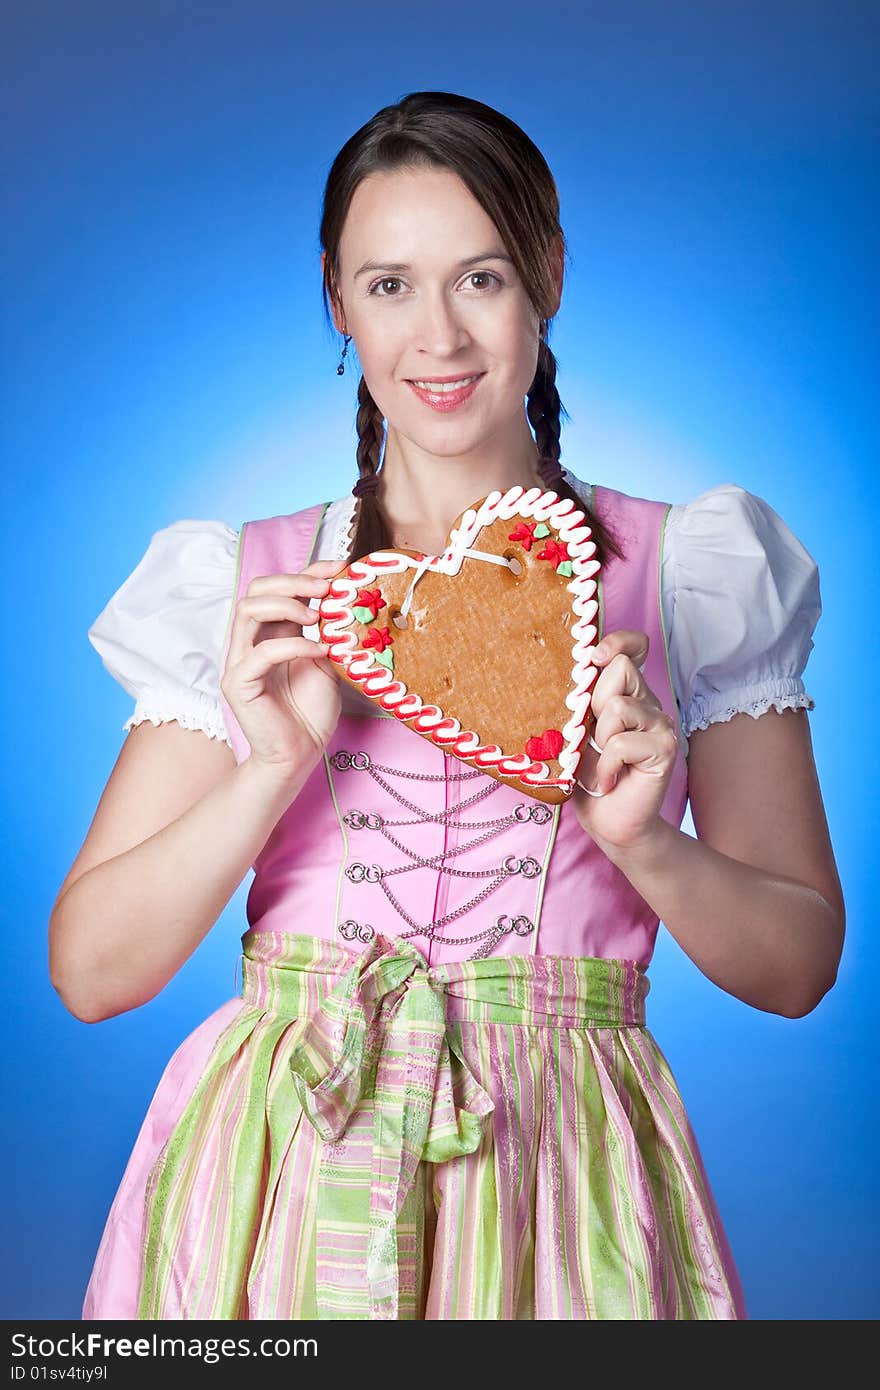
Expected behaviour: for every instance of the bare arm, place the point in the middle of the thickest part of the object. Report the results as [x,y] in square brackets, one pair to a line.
[177,828]
[179,824]
[756,901]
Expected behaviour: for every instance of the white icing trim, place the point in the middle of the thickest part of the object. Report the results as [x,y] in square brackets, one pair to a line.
[337,618]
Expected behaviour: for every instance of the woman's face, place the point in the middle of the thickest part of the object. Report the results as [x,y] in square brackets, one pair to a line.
[428,291]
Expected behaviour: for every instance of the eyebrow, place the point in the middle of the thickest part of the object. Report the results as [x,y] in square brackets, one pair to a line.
[394,266]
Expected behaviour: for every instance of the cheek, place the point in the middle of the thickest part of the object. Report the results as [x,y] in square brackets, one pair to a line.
[378,351]
[521,362]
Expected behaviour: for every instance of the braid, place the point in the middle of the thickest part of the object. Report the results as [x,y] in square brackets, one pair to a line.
[544,409]
[371,532]
[370,432]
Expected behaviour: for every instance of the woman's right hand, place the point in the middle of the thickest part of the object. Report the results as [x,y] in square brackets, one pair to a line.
[279,684]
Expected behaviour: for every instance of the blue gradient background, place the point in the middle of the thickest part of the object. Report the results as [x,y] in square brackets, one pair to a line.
[165,356]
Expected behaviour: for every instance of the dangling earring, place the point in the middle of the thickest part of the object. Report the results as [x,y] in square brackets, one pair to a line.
[341,368]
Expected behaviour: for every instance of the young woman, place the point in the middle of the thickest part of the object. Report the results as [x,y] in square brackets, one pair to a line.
[437,1096]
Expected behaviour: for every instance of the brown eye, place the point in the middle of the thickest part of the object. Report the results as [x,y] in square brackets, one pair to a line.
[486,275]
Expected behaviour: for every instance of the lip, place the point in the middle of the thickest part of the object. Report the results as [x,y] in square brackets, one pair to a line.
[442,380]
[447,400]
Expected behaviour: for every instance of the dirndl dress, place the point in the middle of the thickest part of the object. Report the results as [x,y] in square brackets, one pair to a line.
[399,1121]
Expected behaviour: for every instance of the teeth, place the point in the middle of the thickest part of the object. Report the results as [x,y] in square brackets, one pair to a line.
[439,387]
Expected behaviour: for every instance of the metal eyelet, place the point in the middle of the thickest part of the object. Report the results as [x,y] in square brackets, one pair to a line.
[523,925]
[341,761]
[511,864]
[522,812]
[373,873]
[356,872]
[540,814]
[530,867]
[373,820]
[351,929]
[355,819]
[361,761]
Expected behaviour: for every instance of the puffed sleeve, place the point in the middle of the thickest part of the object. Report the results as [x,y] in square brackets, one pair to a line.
[740,598]
[161,634]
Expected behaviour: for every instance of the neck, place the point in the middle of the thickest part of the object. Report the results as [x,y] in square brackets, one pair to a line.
[421,495]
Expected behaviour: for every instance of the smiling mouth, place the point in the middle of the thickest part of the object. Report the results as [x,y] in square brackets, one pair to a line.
[442,385]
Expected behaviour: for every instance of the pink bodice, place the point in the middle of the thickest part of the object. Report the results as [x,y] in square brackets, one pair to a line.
[391,834]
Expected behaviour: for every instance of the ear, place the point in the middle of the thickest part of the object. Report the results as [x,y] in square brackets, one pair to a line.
[338,319]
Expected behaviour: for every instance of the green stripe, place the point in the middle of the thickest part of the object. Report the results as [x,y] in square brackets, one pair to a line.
[542,882]
[608,1119]
[238,554]
[676,710]
[324,507]
[600,587]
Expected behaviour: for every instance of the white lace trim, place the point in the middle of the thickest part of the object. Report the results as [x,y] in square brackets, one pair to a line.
[785,693]
[208,720]
[346,528]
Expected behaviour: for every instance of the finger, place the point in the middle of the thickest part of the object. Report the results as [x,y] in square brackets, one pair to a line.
[276,608]
[260,660]
[621,678]
[647,753]
[628,641]
[275,614]
[309,582]
[625,712]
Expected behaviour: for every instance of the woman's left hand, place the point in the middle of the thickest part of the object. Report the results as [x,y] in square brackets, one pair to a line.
[639,748]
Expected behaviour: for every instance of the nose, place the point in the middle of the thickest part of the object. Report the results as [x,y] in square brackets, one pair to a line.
[442,330]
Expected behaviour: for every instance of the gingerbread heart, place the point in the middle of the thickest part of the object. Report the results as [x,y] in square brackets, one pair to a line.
[486,649]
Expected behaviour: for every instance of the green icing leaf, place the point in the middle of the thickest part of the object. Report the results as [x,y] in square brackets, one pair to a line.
[364,615]
[541,531]
[385,658]
[565,568]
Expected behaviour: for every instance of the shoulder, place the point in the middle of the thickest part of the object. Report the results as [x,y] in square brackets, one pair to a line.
[160,633]
[627,515]
[730,514]
[731,544]
[740,597]
[325,526]
[184,559]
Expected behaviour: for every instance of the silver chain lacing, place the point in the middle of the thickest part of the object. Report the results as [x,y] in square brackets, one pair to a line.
[357,872]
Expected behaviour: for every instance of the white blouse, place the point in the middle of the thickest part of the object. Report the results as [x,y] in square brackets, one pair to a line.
[739,594]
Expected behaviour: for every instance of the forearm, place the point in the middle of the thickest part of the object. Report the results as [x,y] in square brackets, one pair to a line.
[124,929]
[773,942]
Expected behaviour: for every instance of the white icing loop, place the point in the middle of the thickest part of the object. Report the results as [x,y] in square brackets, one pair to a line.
[429,563]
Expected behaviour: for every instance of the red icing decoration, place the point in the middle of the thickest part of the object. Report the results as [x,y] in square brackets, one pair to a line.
[525,533]
[370,598]
[557,551]
[547,745]
[378,637]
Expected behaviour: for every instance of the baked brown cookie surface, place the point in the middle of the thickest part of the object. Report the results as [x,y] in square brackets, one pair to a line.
[485,649]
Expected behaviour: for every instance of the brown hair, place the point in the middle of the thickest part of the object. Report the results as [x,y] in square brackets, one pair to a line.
[510,179]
